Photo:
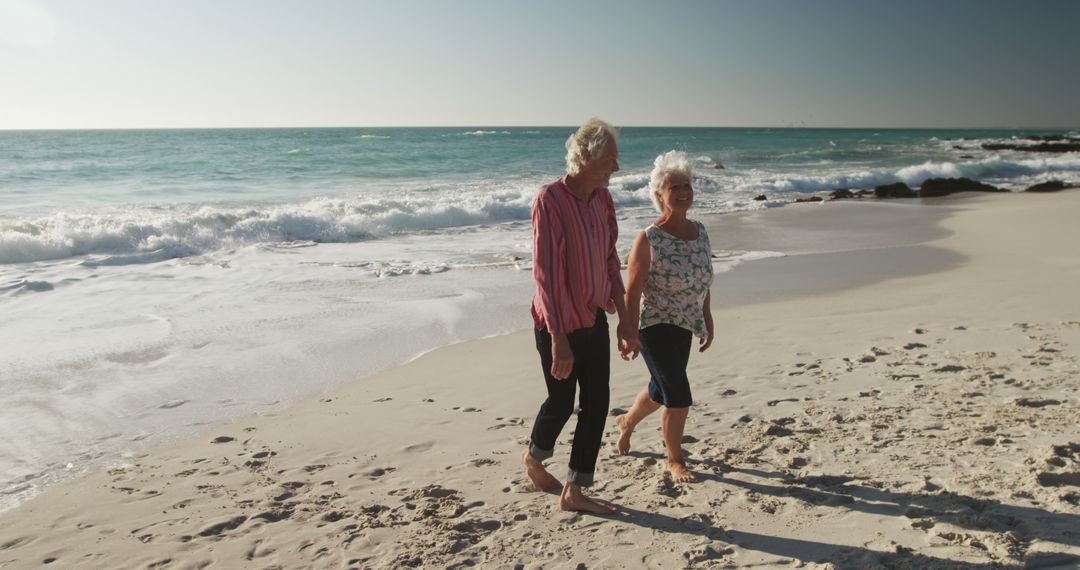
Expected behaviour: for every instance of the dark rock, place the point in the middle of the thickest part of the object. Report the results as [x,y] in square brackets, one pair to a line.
[966,156]
[842,194]
[1051,186]
[898,190]
[1045,138]
[810,199]
[1041,147]
[935,187]
[760,198]
[862,193]
[718,166]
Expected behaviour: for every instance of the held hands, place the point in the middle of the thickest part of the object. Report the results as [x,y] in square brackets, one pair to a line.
[562,358]
[629,344]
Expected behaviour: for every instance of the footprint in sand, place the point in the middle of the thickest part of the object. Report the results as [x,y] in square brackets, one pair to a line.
[16,542]
[419,447]
[506,422]
[378,472]
[482,462]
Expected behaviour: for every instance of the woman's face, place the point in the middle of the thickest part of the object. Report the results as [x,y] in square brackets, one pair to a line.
[676,193]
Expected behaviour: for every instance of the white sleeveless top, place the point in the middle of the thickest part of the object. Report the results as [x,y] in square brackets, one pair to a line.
[679,277]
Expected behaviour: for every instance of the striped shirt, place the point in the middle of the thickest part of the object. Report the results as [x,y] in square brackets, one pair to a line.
[575,265]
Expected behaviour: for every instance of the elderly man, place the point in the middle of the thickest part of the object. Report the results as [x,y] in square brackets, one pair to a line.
[577,276]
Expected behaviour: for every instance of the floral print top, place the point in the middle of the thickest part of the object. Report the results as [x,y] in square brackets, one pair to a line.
[679,277]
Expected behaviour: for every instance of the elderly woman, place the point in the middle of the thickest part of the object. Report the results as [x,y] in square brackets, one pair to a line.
[668,293]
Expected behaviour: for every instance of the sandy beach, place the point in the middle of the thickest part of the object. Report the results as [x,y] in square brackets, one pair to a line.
[908,402]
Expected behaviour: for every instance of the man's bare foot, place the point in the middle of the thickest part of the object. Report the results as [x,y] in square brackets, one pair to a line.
[624,435]
[679,473]
[541,479]
[572,499]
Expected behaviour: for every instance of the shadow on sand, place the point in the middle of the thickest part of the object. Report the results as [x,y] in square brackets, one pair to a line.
[844,492]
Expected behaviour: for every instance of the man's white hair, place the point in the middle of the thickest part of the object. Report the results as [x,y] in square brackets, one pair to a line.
[591,137]
[670,161]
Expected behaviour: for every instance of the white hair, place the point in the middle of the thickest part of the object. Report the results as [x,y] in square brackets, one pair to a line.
[670,161]
[591,137]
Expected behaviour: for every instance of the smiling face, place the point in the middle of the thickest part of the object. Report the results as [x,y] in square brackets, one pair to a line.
[676,194]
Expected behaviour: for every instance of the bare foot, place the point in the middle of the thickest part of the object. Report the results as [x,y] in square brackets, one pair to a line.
[624,435]
[572,499]
[541,479]
[679,473]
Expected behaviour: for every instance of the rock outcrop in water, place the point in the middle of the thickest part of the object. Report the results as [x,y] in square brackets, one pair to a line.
[1051,186]
[935,187]
[1072,146]
[897,190]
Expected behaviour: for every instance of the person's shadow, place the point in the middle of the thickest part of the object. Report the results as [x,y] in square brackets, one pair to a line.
[845,493]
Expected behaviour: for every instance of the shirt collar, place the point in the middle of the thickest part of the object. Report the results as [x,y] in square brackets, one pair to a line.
[566,188]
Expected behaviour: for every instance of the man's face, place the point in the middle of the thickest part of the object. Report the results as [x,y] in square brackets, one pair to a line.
[606,164]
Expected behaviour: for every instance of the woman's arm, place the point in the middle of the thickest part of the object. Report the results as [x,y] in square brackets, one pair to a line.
[707,342]
[638,270]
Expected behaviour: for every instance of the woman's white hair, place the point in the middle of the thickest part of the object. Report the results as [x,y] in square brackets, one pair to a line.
[670,161]
[591,137]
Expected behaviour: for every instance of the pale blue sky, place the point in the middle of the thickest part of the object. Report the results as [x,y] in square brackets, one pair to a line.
[266,63]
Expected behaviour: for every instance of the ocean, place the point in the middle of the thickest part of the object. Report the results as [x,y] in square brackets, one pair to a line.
[154,283]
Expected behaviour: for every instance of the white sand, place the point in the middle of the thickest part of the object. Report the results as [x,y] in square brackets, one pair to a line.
[925,418]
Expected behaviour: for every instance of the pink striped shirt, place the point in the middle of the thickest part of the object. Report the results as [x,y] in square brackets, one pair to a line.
[575,265]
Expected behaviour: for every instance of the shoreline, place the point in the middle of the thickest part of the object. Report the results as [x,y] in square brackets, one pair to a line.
[185,401]
[285,487]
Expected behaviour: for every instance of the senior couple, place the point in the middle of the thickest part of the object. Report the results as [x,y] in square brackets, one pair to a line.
[578,281]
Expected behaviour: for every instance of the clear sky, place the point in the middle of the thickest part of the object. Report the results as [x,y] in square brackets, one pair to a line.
[275,63]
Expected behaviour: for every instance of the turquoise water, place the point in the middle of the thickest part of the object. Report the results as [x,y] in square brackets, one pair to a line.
[73,193]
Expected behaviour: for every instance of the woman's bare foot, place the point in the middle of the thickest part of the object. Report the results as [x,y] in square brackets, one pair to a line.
[572,499]
[541,479]
[679,473]
[624,435]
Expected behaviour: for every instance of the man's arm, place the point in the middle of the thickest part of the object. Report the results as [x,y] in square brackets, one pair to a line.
[548,272]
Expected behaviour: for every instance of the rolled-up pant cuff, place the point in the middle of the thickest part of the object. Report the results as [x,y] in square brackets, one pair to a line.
[540,454]
[580,479]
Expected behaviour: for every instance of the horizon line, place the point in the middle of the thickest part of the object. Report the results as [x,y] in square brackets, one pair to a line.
[523,126]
